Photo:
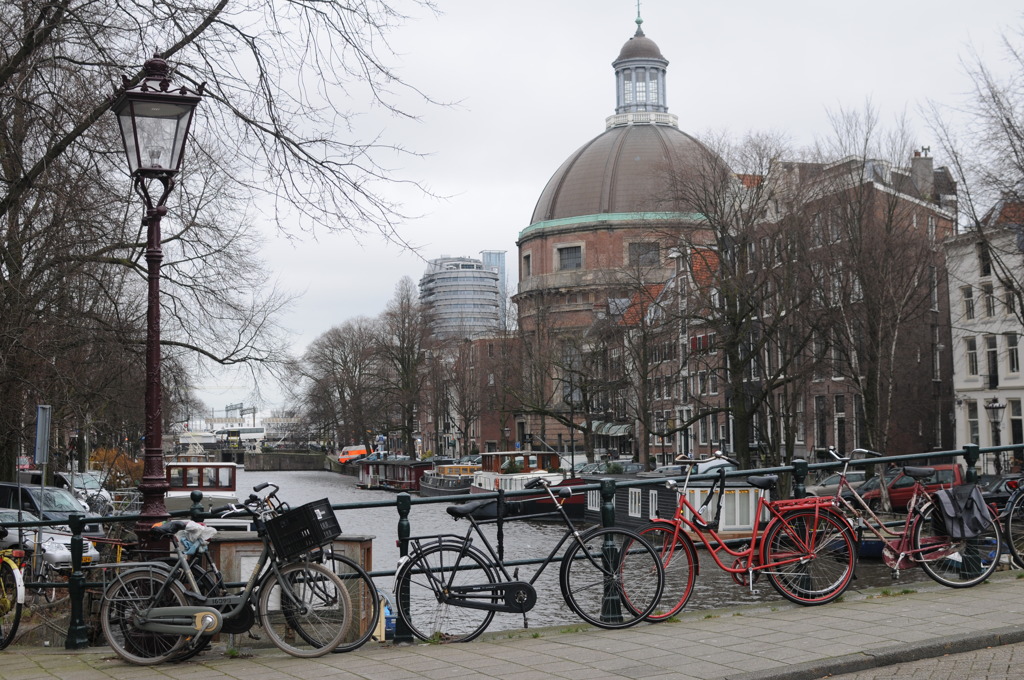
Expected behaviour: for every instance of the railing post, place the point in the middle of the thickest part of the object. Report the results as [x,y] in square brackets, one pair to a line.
[607,502]
[971,455]
[78,633]
[799,478]
[196,511]
[404,505]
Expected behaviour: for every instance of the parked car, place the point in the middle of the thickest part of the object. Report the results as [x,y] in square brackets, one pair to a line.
[86,486]
[902,486]
[997,490]
[50,503]
[612,467]
[829,485]
[701,468]
[54,541]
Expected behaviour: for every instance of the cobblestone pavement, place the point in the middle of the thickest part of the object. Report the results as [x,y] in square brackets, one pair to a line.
[864,633]
[991,663]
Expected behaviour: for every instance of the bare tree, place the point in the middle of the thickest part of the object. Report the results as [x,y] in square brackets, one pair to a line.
[984,142]
[402,343]
[271,136]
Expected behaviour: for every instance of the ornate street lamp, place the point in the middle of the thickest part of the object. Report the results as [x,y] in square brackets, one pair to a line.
[154,121]
[994,410]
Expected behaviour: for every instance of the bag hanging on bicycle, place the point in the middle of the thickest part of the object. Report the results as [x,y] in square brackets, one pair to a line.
[963,511]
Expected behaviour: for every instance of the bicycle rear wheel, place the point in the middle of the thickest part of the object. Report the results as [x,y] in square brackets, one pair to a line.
[809,556]
[12,594]
[1015,530]
[955,562]
[612,578]
[307,612]
[364,598]
[130,594]
[430,575]
[679,559]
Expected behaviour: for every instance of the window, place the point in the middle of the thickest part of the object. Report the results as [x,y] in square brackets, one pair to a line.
[570,257]
[972,356]
[645,254]
[990,299]
[992,360]
[984,259]
[627,87]
[1009,300]
[968,296]
[652,504]
[933,287]
[936,355]
[1012,353]
[635,502]
[1016,421]
[972,420]
[527,270]
[820,425]
[931,228]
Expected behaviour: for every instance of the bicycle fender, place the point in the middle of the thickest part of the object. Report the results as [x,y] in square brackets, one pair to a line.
[19,582]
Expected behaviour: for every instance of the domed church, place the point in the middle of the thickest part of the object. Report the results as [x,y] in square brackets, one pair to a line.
[607,216]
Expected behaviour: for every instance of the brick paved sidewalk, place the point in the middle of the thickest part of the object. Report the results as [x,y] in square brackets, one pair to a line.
[868,629]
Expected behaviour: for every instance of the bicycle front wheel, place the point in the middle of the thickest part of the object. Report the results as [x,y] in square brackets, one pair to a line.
[679,559]
[123,600]
[430,577]
[612,578]
[307,612]
[12,594]
[955,562]
[364,598]
[1015,530]
[809,556]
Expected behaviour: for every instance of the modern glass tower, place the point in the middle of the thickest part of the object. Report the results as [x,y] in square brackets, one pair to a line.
[465,296]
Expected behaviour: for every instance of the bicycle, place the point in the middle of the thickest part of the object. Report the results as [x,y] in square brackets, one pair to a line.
[448,590]
[1012,521]
[922,538]
[12,591]
[805,547]
[154,612]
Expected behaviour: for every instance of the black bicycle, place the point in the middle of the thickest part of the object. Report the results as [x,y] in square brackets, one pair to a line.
[1012,520]
[448,590]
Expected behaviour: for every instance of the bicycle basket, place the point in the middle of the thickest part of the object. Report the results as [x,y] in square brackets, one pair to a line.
[303,528]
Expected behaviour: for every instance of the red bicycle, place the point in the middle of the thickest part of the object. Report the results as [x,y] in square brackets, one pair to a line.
[805,547]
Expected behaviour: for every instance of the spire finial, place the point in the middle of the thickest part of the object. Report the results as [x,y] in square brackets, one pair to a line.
[639,19]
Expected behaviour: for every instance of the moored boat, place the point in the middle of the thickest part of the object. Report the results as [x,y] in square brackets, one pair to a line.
[396,473]
[217,482]
[449,479]
[513,470]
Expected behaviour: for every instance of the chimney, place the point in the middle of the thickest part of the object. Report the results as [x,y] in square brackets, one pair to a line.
[922,173]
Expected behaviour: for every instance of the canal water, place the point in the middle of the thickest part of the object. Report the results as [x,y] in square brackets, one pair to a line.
[523,539]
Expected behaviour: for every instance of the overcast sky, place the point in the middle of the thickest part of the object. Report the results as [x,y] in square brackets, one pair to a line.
[533,81]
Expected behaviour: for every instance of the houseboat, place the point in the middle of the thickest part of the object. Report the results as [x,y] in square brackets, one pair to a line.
[512,470]
[392,474]
[216,480]
[448,479]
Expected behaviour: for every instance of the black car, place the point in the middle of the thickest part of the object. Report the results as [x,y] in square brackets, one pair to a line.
[997,490]
[49,503]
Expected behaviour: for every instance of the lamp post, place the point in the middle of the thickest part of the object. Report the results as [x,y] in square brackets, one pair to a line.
[505,432]
[994,410]
[154,122]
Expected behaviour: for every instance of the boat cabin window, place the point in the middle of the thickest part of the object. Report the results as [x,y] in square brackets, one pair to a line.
[200,477]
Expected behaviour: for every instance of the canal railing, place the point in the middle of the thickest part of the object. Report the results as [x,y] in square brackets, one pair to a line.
[77,632]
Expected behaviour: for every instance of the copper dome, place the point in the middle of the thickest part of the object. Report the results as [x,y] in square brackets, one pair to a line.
[627,169]
[640,47]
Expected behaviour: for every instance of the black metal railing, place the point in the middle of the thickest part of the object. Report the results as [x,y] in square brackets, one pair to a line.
[77,636]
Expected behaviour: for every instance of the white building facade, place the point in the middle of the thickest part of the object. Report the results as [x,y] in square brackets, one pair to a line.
[986,336]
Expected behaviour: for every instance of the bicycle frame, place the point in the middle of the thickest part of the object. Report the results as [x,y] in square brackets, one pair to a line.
[465,596]
[898,551]
[748,558]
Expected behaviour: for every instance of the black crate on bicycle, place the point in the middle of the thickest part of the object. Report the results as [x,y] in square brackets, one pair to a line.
[303,528]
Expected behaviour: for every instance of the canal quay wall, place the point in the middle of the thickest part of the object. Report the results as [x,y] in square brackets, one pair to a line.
[285,461]
[866,629]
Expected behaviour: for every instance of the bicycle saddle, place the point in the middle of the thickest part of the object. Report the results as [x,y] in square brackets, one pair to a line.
[763,481]
[918,472]
[467,509]
[171,527]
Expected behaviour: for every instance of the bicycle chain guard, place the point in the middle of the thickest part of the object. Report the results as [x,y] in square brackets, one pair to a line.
[241,622]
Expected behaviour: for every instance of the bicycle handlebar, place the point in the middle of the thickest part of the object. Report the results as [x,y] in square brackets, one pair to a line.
[868,452]
[534,483]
